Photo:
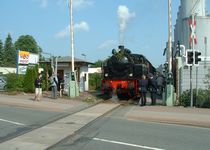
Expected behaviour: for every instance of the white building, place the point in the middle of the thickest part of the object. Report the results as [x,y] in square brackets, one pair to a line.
[7,70]
[64,71]
[182,34]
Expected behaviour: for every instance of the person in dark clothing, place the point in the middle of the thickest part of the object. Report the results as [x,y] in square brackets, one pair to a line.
[153,89]
[38,88]
[54,85]
[143,84]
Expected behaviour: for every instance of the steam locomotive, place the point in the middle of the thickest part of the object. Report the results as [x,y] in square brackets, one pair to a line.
[122,71]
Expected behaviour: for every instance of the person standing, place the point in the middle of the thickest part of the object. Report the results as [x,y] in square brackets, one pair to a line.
[153,89]
[38,87]
[143,84]
[54,84]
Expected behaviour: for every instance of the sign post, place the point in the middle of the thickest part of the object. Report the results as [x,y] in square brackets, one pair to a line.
[192,41]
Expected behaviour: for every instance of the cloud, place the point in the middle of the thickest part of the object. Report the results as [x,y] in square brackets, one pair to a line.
[44,3]
[78,4]
[63,33]
[108,44]
[81,26]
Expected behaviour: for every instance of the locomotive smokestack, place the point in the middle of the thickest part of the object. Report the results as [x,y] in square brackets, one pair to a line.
[121,47]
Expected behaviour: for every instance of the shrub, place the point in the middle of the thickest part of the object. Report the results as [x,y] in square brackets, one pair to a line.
[94,81]
[14,82]
[185,99]
[202,100]
[30,76]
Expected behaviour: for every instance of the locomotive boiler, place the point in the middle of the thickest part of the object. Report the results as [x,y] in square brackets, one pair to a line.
[122,71]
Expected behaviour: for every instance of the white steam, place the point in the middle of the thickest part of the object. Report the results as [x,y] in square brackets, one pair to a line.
[124,16]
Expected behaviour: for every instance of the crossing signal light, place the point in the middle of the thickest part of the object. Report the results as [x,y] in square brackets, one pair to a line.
[197,59]
[190,58]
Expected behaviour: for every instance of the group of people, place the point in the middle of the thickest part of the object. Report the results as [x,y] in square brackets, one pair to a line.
[54,84]
[151,84]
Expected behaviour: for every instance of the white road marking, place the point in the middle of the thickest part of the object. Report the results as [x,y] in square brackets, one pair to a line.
[13,122]
[127,144]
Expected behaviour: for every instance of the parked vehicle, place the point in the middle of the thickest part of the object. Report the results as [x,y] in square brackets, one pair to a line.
[3,83]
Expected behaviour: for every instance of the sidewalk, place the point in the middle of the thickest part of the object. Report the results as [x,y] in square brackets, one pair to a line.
[46,103]
[173,115]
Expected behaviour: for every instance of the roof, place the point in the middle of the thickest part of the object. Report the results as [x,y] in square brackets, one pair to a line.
[68,59]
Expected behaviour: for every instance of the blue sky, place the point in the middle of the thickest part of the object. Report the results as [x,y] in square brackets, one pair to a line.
[96,24]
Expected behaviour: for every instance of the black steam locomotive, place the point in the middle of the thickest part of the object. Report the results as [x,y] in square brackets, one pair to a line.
[122,71]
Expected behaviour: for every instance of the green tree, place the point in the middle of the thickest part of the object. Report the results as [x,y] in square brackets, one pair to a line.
[97,64]
[14,82]
[1,54]
[30,77]
[94,81]
[9,52]
[27,43]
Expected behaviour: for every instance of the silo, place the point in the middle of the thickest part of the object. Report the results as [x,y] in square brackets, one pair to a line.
[193,6]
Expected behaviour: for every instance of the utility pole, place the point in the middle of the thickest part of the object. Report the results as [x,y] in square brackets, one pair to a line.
[169,88]
[169,37]
[73,86]
[72,37]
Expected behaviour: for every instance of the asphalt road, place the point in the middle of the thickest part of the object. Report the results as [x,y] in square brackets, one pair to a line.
[117,132]
[17,120]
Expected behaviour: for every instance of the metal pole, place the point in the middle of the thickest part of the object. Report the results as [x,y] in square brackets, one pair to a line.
[193,44]
[72,37]
[56,66]
[169,37]
[169,86]
[205,42]
[191,90]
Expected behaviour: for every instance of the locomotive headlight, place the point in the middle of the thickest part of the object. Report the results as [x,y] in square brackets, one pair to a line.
[106,74]
[124,60]
[130,74]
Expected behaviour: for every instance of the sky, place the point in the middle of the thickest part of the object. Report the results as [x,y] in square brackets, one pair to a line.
[99,26]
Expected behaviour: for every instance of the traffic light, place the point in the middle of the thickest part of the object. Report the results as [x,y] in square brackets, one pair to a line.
[190,58]
[197,59]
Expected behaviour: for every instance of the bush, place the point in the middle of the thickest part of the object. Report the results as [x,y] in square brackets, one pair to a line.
[14,82]
[202,100]
[30,76]
[185,99]
[95,81]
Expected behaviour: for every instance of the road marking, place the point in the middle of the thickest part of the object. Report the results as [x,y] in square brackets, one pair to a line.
[127,144]
[13,122]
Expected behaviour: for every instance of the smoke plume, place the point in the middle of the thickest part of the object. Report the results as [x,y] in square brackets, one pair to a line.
[124,16]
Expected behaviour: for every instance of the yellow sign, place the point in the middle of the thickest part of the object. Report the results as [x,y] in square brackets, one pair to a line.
[23,57]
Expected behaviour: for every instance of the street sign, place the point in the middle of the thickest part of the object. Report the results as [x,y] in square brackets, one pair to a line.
[192,24]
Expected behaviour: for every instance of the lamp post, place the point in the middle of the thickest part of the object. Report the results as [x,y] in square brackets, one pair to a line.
[84,56]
